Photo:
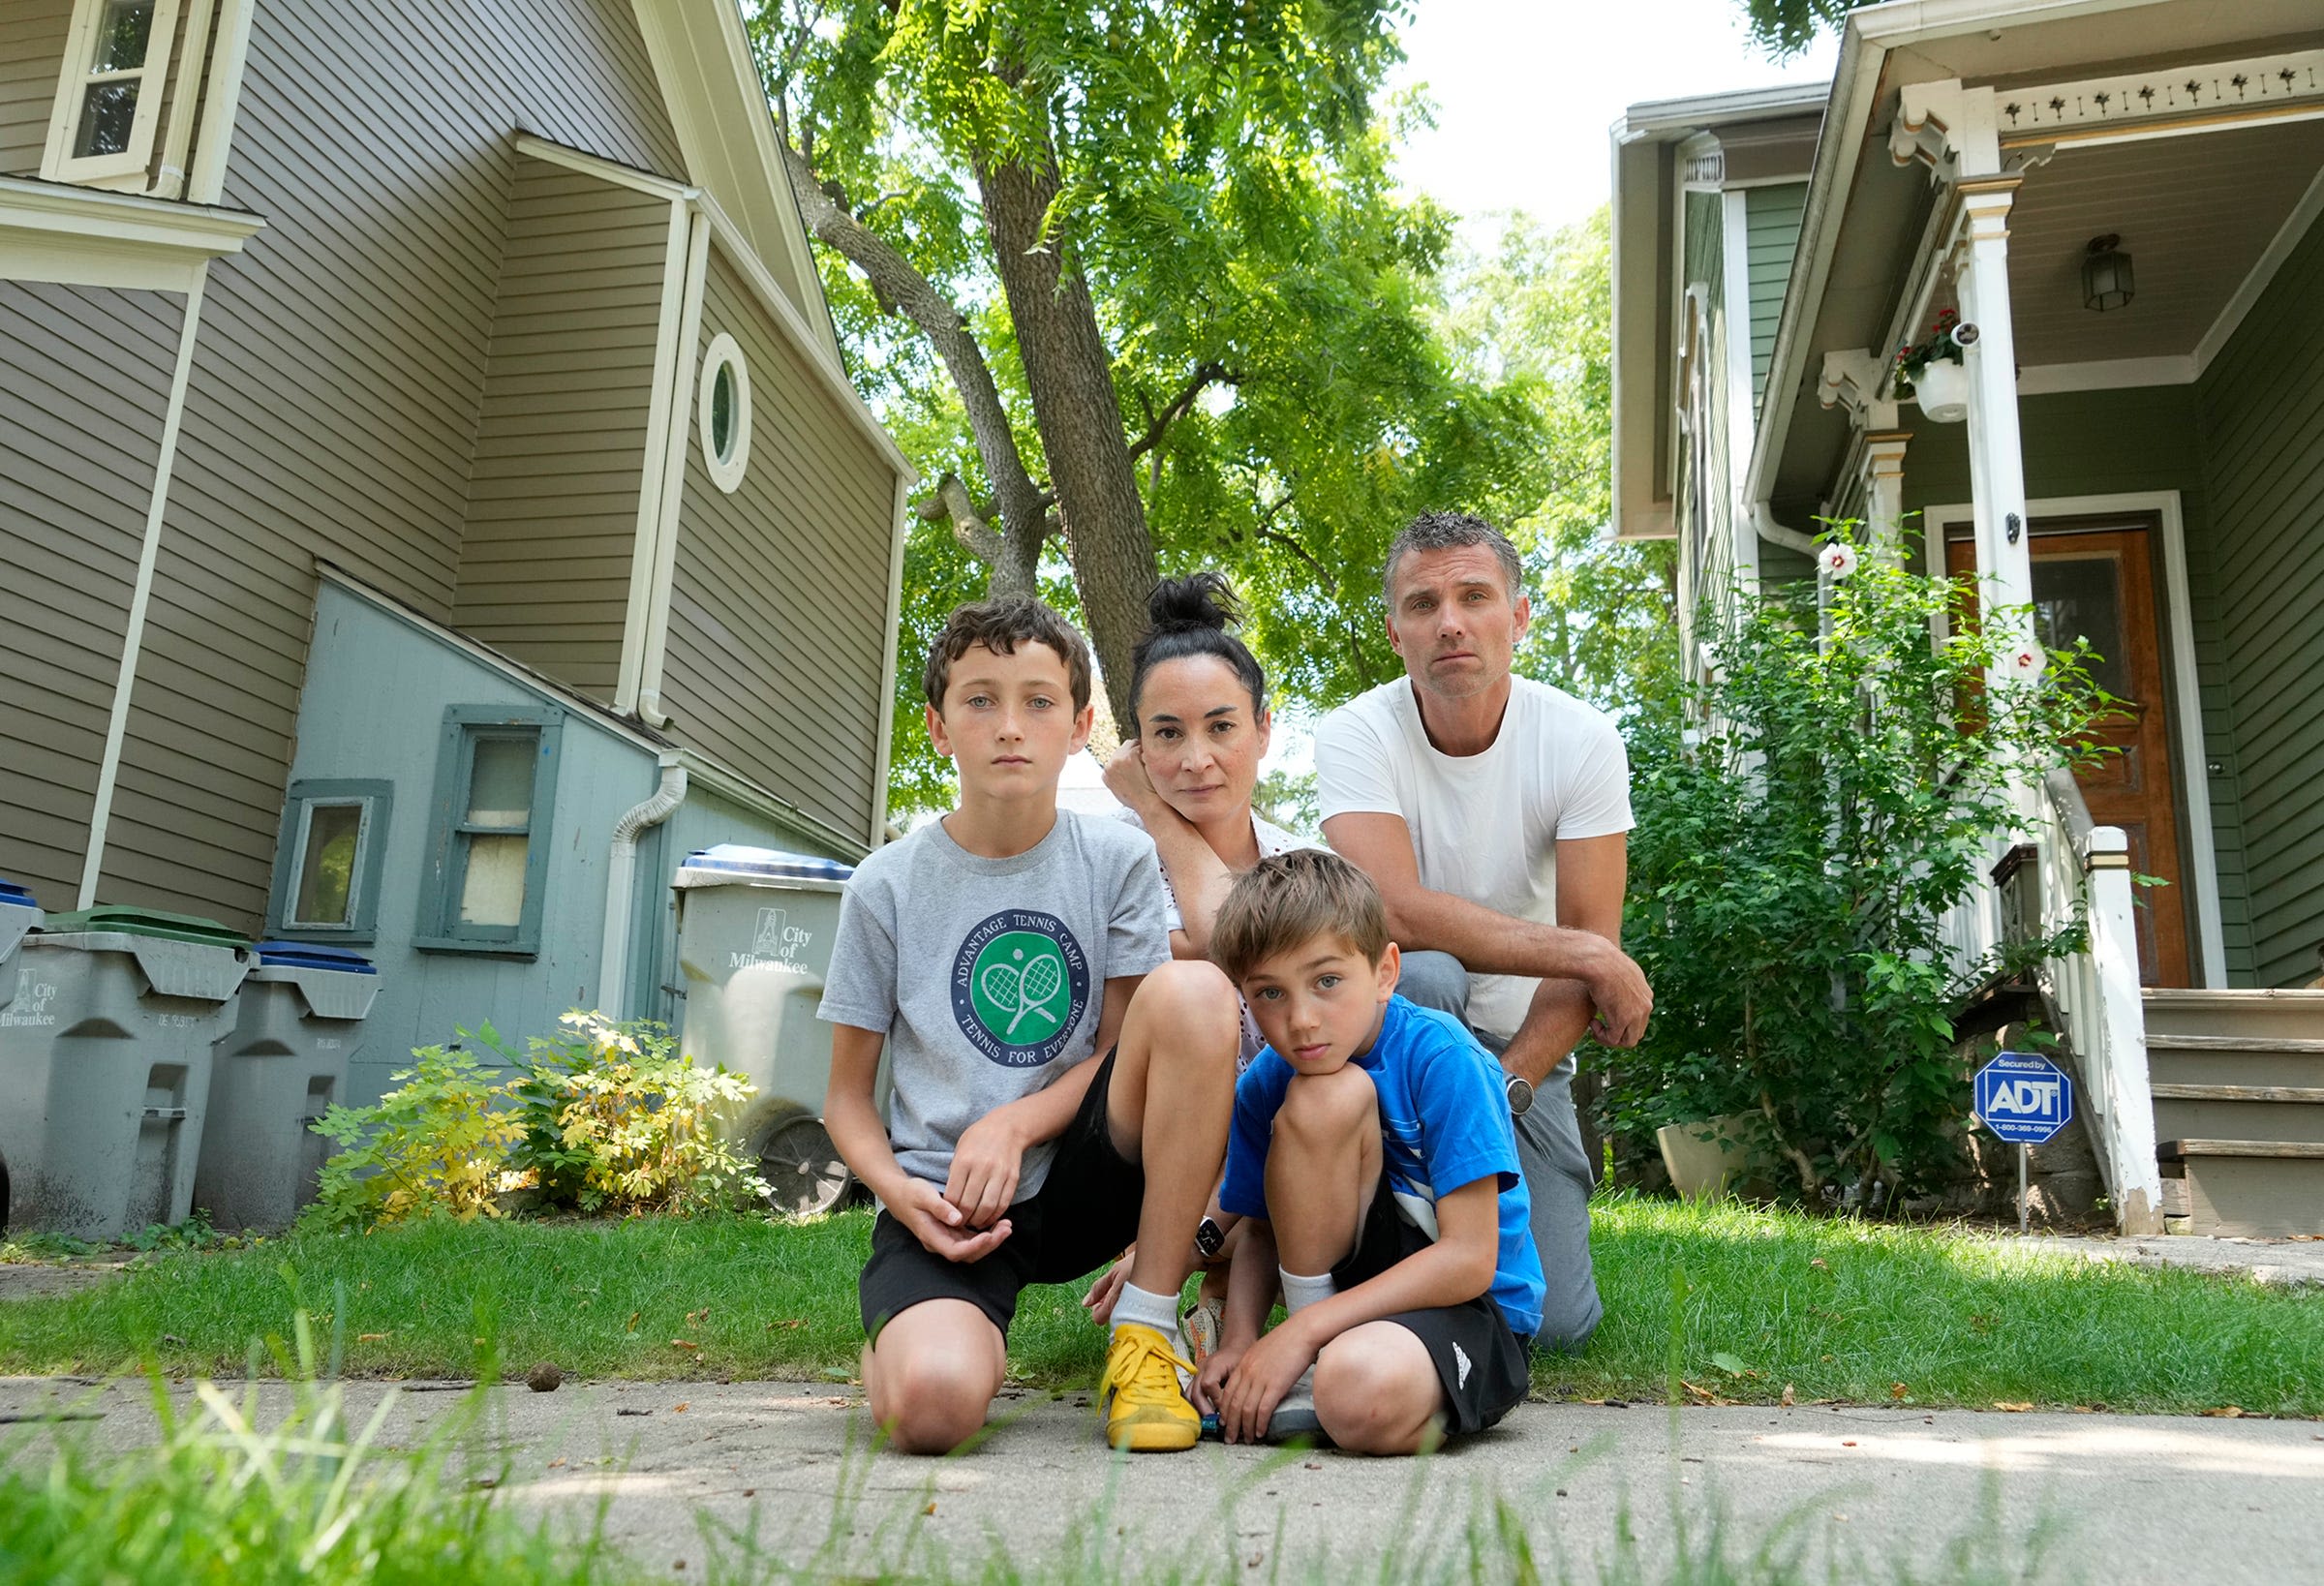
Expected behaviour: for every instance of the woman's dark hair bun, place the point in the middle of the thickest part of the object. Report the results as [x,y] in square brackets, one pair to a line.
[1203,599]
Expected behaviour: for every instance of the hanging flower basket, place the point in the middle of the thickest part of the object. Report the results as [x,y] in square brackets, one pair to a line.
[1941,388]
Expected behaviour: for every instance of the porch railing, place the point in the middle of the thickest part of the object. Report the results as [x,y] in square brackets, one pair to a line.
[2093,995]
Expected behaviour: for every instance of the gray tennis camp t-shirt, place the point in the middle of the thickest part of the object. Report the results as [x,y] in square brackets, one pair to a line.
[988,976]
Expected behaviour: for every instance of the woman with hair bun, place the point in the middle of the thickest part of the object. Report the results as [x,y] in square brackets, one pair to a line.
[1186,772]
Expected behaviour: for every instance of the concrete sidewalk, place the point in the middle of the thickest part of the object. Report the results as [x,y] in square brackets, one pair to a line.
[1856,1493]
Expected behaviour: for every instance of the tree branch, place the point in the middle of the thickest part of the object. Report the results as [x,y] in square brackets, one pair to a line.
[1205,375]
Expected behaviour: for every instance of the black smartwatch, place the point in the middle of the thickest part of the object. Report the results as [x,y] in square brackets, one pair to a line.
[1519,1090]
[1210,1238]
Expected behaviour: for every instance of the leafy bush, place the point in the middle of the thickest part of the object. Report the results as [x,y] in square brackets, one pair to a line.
[613,1118]
[437,1142]
[1806,819]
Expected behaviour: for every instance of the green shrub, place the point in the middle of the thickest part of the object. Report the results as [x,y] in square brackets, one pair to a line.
[1805,821]
[612,1118]
[437,1142]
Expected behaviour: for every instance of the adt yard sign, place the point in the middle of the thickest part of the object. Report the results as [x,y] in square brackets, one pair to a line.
[2024,1098]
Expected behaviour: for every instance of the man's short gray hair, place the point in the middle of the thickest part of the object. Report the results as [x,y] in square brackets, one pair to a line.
[1443,531]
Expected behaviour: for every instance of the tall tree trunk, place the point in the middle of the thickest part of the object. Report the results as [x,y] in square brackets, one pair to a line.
[1070,374]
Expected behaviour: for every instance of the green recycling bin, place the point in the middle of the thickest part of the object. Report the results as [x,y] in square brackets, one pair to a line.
[104,1068]
[297,1023]
[754,935]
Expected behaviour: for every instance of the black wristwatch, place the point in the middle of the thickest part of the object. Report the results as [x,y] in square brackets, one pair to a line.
[1210,1238]
[1519,1090]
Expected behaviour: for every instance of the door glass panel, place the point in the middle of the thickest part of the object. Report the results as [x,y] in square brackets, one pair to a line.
[2081,597]
[493,894]
[500,786]
[107,115]
[326,868]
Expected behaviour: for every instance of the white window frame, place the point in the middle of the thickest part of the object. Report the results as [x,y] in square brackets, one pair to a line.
[725,352]
[126,169]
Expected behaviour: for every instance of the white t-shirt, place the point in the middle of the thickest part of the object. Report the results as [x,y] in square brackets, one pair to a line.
[1484,827]
[1272,839]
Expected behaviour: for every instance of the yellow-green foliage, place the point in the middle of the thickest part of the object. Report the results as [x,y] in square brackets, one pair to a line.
[437,1142]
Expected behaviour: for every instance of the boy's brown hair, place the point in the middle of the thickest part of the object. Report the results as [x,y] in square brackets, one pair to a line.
[1000,626]
[1294,897]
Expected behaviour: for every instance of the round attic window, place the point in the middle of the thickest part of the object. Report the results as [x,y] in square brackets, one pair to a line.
[725,406]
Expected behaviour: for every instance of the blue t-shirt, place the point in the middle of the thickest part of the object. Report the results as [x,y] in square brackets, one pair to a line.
[1443,1119]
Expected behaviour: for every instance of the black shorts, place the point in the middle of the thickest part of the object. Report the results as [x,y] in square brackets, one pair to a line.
[1084,1215]
[1480,1362]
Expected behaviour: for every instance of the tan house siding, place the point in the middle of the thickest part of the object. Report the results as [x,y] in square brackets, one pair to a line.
[338,383]
[778,606]
[85,385]
[544,570]
[32,52]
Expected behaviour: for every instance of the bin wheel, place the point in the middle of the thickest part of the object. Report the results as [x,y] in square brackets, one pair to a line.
[802,1167]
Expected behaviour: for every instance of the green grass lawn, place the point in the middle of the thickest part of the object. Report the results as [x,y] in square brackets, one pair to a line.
[1735,1301]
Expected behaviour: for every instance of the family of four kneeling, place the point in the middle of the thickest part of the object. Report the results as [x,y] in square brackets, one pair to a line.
[1188,1036]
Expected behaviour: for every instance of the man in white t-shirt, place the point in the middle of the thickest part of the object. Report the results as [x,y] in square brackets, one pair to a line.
[1495,812]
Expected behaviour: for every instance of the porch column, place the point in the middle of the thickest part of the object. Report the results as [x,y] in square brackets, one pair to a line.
[1996,458]
[1885,487]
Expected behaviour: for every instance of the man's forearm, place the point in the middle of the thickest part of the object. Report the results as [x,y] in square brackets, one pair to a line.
[1554,1026]
[1488,943]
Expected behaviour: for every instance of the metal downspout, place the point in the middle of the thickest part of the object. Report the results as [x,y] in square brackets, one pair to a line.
[621,873]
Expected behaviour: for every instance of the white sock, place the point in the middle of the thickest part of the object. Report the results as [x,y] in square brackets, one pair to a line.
[1148,1309]
[1300,1293]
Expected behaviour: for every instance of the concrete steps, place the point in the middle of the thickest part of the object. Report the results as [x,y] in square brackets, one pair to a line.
[2237,1085]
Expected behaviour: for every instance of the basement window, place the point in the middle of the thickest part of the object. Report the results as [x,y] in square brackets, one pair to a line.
[108,98]
[328,859]
[725,406]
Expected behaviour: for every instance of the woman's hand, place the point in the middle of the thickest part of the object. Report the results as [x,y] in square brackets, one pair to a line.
[1128,781]
[1259,1382]
[1099,1301]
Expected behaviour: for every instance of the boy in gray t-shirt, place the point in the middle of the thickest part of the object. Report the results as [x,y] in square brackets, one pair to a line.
[1013,962]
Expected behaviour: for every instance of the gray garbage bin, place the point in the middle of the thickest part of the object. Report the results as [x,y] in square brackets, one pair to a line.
[104,1067]
[20,916]
[754,935]
[296,1025]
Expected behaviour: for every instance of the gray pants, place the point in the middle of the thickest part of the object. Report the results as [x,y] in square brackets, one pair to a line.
[1557,1172]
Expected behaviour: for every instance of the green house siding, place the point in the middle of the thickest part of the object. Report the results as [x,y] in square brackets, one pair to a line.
[1772,217]
[2261,412]
[2107,442]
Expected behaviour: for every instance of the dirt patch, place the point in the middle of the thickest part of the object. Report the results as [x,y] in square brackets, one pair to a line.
[38,1282]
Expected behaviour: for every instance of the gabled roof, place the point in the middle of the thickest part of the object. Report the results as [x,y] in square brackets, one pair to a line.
[725,128]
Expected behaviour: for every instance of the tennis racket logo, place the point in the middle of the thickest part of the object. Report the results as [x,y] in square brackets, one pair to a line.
[1020,986]
[1024,987]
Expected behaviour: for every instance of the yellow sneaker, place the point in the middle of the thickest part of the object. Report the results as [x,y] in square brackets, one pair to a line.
[1145,1410]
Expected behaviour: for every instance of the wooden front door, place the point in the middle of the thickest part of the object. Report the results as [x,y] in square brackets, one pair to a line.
[2093,578]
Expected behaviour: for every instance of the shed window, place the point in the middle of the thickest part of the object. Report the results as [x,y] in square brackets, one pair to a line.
[725,409]
[328,859]
[489,841]
[108,98]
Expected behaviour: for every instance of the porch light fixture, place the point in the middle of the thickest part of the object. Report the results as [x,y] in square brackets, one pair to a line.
[2107,275]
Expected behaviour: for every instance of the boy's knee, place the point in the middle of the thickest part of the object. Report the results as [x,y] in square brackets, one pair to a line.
[932,1400]
[1376,1394]
[1435,980]
[1324,1109]
[1193,1001]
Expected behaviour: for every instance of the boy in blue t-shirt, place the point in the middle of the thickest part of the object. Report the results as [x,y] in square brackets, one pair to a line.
[1372,1146]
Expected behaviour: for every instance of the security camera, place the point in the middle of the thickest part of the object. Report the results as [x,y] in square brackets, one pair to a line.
[1964,334]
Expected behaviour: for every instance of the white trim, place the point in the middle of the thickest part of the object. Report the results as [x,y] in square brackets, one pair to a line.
[887,665]
[2263,273]
[125,170]
[2107,375]
[2184,684]
[2101,110]
[762,284]
[661,397]
[82,236]
[726,472]
[1742,407]
[604,170]
[116,728]
[221,100]
[672,478]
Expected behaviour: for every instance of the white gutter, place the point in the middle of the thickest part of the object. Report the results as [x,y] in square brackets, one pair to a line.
[117,727]
[621,877]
